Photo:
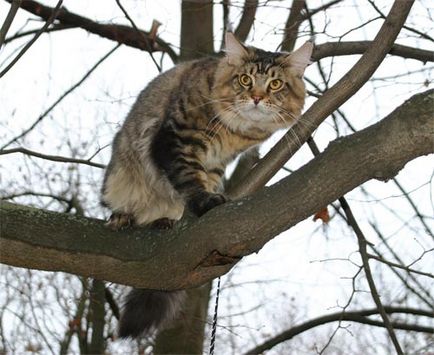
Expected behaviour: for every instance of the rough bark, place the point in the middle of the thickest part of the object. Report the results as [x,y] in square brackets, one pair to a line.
[97,317]
[247,19]
[198,250]
[197,38]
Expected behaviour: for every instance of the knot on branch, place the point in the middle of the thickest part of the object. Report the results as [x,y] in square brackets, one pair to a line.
[217,259]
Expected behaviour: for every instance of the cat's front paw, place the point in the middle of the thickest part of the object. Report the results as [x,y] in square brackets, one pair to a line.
[202,203]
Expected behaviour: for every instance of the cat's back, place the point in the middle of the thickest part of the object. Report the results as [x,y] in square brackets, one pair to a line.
[154,101]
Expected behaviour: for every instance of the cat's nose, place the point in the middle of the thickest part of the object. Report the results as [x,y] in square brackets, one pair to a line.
[256,99]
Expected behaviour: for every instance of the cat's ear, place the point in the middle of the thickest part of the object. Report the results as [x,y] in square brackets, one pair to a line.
[300,58]
[235,51]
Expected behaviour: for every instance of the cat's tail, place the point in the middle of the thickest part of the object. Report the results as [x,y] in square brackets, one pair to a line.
[145,311]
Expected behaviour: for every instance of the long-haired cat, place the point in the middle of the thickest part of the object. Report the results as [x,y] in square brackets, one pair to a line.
[183,130]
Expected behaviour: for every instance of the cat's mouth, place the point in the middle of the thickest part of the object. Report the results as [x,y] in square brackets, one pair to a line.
[255,112]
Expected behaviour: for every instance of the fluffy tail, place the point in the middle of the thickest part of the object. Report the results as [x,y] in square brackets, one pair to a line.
[146,310]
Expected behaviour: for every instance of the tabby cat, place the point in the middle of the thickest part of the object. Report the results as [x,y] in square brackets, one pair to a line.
[183,130]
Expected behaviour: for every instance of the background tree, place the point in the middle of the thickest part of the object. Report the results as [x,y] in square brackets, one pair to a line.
[374,253]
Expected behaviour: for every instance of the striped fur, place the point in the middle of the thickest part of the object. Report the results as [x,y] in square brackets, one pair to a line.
[190,122]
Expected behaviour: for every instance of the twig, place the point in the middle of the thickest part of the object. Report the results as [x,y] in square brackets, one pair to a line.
[51,157]
[411,29]
[33,40]
[119,33]
[141,34]
[392,264]
[365,259]
[415,209]
[54,28]
[425,297]
[66,93]
[353,316]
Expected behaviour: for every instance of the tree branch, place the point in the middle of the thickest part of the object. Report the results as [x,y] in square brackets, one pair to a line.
[15,5]
[332,99]
[119,33]
[50,18]
[332,49]
[51,157]
[199,250]
[247,19]
[352,316]
[292,24]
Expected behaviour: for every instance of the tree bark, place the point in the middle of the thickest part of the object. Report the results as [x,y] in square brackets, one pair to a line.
[186,334]
[97,317]
[198,250]
[197,38]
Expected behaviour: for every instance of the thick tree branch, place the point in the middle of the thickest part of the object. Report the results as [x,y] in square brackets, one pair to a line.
[119,33]
[198,250]
[329,102]
[351,316]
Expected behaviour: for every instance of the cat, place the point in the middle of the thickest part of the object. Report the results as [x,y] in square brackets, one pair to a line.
[179,136]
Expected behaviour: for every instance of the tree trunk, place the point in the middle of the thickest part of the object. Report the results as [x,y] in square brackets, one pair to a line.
[97,317]
[186,335]
[197,38]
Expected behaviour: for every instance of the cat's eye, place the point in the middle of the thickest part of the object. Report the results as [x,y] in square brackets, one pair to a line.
[275,84]
[245,80]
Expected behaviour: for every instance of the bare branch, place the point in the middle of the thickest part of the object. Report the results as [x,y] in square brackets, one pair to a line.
[421,34]
[146,40]
[53,28]
[319,9]
[363,250]
[332,49]
[8,20]
[406,268]
[50,19]
[51,157]
[119,33]
[66,93]
[352,316]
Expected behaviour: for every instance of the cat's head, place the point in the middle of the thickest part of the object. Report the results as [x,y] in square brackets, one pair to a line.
[259,89]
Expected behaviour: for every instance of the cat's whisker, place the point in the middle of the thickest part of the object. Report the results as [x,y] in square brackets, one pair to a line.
[216,118]
[233,114]
[290,130]
[210,101]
